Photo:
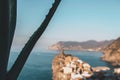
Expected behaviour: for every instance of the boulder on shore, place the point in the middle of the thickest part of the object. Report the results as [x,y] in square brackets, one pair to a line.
[100,68]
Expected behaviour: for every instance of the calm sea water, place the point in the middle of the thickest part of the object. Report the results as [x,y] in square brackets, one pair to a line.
[38,65]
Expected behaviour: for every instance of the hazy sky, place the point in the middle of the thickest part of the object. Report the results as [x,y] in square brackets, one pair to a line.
[74,20]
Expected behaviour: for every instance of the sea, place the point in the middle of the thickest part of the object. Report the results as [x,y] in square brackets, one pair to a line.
[38,65]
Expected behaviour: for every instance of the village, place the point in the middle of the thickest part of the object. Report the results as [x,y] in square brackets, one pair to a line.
[68,67]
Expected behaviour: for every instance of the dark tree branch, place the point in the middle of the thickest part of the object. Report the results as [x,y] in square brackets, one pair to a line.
[7,28]
[4,37]
[19,63]
[12,19]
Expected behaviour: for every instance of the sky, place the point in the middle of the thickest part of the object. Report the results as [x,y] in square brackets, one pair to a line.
[74,20]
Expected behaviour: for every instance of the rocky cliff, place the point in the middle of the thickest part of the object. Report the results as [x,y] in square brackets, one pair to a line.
[67,67]
[90,45]
[112,53]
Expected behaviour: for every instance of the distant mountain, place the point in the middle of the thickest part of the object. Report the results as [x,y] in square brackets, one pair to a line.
[112,53]
[90,45]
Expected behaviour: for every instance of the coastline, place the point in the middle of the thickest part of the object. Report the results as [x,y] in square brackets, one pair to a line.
[68,63]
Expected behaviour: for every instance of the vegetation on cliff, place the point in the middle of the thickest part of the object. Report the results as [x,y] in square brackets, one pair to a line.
[90,45]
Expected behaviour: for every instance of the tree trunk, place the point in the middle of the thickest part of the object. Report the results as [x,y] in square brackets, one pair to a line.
[12,19]
[7,28]
[4,37]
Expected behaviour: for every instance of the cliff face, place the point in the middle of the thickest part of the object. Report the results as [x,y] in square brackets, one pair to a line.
[112,53]
[67,67]
[90,45]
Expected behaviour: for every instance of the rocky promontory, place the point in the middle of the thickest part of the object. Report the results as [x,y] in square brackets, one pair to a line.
[112,53]
[68,67]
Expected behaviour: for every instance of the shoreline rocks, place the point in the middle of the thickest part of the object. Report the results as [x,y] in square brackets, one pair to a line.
[116,70]
[100,68]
